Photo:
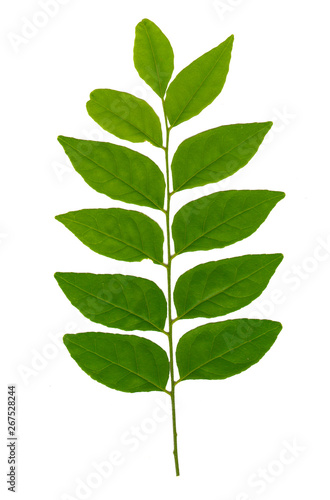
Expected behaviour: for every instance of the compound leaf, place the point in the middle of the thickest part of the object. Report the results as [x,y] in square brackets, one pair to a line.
[125,116]
[220,350]
[120,234]
[214,351]
[198,84]
[221,219]
[123,362]
[117,301]
[218,288]
[216,154]
[116,171]
[153,56]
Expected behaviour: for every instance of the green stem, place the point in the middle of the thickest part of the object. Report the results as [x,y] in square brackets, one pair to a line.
[169,294]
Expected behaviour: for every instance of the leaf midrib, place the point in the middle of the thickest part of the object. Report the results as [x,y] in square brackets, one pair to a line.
[154,58]
[200,86]
[222,291]
[225,222]
[111,304]
[127,121]
[117,239]
[224,353]
[111,173]
[218,158]
[121,366]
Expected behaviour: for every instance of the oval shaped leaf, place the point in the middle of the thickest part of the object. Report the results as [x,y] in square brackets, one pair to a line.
[221,350]
[116,233]
[216,154]
[125,116]
[218,288]
[153,56]
[114,300]
[198,84]
[221,219]
[123,362]
[116,171]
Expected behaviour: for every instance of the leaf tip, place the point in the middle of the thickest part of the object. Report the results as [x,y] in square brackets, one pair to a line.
[279,256]
[230,40]
[94,93]
[57,276]
[145,21]
[60,218]
[92,96]
[66,338]
[279,326]
[279,195]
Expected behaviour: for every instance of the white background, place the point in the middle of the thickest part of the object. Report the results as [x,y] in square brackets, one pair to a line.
[232,431]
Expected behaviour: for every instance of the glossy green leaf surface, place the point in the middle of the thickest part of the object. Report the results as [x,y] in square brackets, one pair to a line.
[153,56]
[198,84]
[114,300]
[220,350]
[218,288]
[221,219]
[125,116]
[123,362]
[116,171]
[216,154]
[120,234]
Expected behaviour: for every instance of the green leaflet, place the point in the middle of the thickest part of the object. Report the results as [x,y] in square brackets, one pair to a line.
[116,233]
[125,116]
[123,362]
[153,56]
[117,301]
[220,350]
[221,219]
[117,171]
[216,154]
[198,84]
[218,288]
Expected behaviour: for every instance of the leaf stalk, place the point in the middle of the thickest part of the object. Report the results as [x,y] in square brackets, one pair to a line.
[169,289]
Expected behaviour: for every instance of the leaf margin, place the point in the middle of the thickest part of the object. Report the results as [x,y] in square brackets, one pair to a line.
[122,338]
